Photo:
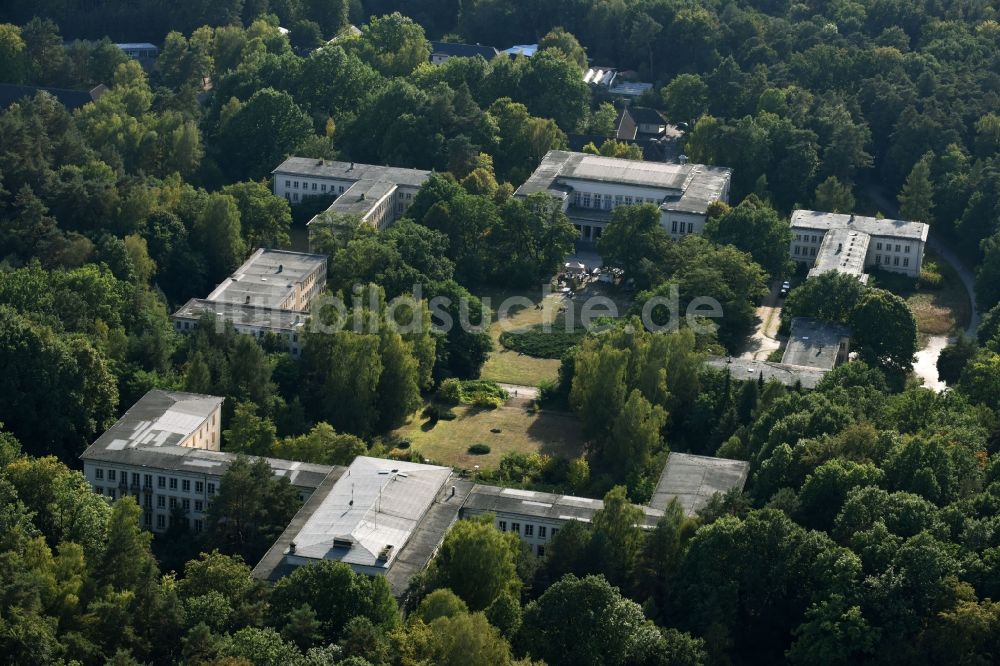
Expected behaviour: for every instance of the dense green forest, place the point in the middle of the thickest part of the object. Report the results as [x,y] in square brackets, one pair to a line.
[868,531]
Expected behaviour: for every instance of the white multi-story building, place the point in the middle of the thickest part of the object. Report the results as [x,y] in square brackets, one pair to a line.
[378,195]
[270,293]
[590,187]
[165,452]
[853,244]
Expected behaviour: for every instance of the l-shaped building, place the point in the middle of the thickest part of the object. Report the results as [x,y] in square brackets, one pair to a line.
[380,516]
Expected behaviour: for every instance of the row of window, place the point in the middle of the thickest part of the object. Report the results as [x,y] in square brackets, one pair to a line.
[808,238]
[161,481]
[888,247]
[195,524]
[804,251]
[606,201]
[895,261]
[674,227]
[529,529]
[294,184]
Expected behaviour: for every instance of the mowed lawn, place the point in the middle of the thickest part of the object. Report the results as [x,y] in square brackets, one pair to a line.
[447,442]
[511,367]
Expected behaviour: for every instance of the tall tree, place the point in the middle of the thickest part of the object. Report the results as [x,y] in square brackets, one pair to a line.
[834,196]
[477,562]
[916,199]
[755,227]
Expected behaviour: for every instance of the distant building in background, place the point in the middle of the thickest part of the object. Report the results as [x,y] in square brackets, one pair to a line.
[854,244]
[139,50]
[164,452]
[11,93]
[444,51]
[590,187]
[378,195]
[600,76]
[648,121]
[270,293]
[526,50]
[629,88]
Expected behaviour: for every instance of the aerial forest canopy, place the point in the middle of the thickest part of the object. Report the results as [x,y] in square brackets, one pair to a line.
[868,529]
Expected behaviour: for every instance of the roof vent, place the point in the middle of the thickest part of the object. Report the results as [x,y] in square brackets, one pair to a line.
[291,548]
[683,159]
[281,267]
[851,221]
[352,167]
[247,301]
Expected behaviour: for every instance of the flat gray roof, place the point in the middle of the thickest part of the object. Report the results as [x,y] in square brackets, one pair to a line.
[361,197]
[148,434]
[685,187]
[376,504]
[743,369]
[813,343]
[843,250]
[267,278]
[693,480]
[544,506]
[275,319]
[319,168]
[159,418]
[811,219]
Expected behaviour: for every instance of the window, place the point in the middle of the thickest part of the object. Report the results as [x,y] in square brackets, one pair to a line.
[796,250]
[897,247]
[586,199]
[322,188]
[199,486]
[199,505]
[878,259]
[598,203]
[673,227]
[341,189]
[173,483]
[878,246]
[555,531]
[186,485]
[288,183]
[111,493]
[99,490]
[211,489]
[515,528]
[161,521]
[628,200]
[161,501]
[173,502]
[906,261]
[198,526]
[895,261]
[798,237]
[541,551]
[161,482]
[296,185]
[503,525]
[607,202]
[111,475]
[906,248]
[314,187]
[812,251]
[147,501]
[135,478]
[541,531]
[147,480]
[409,196]
[98,473]
[529,530]
[148,519]
[186,504]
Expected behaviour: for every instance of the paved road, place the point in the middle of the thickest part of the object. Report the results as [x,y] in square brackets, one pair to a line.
[925,362]
[520,391]
[763,341]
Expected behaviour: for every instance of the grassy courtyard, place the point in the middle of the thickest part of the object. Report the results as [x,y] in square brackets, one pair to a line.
[513,367]
[447,442]
[941,311]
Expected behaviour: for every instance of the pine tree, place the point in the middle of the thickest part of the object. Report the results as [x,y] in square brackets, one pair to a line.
[916,199]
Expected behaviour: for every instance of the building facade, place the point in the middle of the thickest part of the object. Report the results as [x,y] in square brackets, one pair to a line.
[378,195]
[589,188]
[269,294]
[165,452]
[857,243]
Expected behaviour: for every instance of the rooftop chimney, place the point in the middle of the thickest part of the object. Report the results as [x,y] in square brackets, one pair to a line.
[291,548]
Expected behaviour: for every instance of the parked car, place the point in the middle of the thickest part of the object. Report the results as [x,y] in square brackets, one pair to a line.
[786,286]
